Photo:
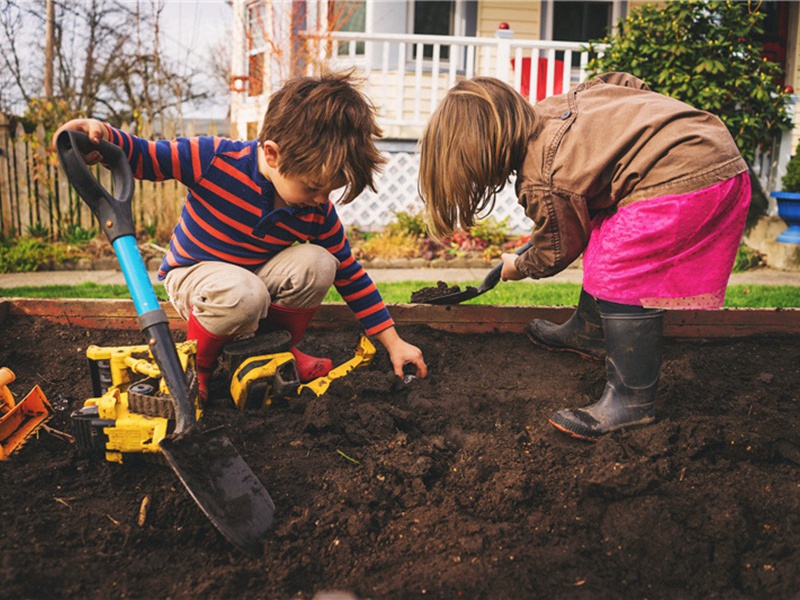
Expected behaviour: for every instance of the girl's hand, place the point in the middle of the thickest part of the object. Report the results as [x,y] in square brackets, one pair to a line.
[509,272]
[91,127]
[401,352]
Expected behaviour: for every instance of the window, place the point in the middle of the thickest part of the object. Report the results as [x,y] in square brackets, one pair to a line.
[443,17]
[580,21]
[348,15]
[256,47]
[434,17]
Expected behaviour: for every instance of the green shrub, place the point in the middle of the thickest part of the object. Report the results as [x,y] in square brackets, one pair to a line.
[38,230]
[705,54]
[77,235]
[408,224]
[791,179]
[29,254]
[746,258]
[389,245]
[491,231]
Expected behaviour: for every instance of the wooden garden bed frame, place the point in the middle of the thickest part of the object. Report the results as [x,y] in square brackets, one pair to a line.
[726,323]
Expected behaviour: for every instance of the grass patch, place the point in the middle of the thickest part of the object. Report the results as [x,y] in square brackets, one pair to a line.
[83,290]
[511,293]
[521,293]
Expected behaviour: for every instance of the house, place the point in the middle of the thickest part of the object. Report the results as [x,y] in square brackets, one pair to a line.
[411,51]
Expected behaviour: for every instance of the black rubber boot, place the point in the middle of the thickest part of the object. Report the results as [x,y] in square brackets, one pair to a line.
[582,333]
[633,364]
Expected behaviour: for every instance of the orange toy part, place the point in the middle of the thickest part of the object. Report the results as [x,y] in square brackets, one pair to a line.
[18,421]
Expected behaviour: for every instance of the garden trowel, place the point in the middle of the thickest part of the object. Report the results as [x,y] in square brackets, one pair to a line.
[455,295]
[211,469]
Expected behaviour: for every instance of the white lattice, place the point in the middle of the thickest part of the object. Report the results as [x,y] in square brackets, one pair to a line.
[397,192]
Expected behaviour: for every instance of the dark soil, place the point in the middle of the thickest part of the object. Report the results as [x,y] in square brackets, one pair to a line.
[440,290]
[452,486]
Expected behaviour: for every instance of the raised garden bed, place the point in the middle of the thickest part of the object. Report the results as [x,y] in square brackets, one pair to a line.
[452,486]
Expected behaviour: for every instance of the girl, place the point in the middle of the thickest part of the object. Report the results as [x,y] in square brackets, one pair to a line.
[653,192]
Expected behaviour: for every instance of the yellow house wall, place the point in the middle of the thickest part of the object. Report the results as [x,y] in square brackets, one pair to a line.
[524,17]
[793,65]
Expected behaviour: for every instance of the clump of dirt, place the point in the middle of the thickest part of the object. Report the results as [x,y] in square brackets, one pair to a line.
[449,486]
[440,290]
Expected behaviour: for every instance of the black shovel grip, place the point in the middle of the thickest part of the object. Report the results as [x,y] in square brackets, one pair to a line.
[113,212]
[493,278]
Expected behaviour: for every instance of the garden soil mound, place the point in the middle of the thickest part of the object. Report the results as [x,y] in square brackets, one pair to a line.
[452,486]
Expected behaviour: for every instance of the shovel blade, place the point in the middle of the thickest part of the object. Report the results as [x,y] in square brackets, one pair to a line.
[456,298]
[222,484]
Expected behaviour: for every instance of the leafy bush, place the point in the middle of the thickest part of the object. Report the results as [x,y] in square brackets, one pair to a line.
[705,54]
[38,230]
[746,258]
[491,231]
[408,223]
[391,245]
[29,254]
[77,235]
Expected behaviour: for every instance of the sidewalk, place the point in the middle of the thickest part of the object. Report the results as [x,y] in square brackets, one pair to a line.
[762,276]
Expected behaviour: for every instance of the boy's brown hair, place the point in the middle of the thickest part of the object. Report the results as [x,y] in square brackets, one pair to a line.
[325,129]
[474,141]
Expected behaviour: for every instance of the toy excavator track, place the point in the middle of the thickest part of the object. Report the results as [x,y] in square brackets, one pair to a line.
[145,398]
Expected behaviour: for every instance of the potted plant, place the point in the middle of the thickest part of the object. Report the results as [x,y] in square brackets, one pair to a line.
[789,200]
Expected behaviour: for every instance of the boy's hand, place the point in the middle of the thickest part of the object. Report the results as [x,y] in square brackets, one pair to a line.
[91,127]
[509,272]
[401,352]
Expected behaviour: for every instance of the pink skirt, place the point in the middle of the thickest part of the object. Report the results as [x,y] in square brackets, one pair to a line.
[674,251]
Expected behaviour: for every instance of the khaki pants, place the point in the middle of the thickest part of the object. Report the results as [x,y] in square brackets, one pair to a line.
[229,300]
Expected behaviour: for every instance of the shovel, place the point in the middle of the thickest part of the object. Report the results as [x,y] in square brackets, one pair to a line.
[211,469]
[458,296]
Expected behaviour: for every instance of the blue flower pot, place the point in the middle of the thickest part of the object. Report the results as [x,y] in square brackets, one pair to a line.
[789,211]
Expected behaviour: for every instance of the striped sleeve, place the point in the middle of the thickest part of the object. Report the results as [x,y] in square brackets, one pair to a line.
[352,281]
[184,159]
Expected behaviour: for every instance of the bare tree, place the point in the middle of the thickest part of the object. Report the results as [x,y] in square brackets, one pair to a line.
[108,61]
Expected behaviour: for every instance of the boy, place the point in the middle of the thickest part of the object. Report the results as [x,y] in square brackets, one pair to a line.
[259,243]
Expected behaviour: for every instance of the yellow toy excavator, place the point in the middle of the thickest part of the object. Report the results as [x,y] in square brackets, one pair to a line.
[19,420]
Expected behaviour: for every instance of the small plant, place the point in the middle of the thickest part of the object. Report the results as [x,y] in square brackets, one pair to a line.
[746,258]
[29,254]
[77,235]
[391,245]
[491,231]
[791,179]
[38,230]
[151,229]
[408,223]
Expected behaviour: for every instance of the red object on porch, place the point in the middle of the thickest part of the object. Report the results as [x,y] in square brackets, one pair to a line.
[525,82]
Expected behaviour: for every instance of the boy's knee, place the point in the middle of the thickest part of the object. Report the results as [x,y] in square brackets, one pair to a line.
[233,309]
[302,276]
[322,268]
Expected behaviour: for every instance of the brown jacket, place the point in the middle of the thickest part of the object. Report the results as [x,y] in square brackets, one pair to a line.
[610,142]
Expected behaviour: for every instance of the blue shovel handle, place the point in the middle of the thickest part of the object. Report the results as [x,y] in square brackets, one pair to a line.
[116,220]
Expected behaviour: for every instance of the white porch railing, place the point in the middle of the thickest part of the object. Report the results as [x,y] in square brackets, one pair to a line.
[407,75]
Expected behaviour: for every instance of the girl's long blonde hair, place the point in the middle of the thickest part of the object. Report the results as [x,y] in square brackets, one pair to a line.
[472,144]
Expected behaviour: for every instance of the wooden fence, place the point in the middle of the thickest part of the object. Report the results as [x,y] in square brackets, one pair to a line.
[36,198]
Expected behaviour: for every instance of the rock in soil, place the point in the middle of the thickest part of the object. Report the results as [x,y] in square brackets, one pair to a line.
[445,487]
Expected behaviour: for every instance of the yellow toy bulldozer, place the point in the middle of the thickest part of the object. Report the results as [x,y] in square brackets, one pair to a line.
[132,410]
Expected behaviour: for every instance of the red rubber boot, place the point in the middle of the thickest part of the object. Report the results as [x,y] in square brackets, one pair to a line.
[208,348]
[295,321]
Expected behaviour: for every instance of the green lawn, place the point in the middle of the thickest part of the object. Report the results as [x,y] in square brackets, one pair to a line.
[516,293]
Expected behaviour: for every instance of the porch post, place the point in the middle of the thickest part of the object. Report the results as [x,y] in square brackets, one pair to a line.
[504,35]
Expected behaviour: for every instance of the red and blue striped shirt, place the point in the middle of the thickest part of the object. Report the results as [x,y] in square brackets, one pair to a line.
[229,215]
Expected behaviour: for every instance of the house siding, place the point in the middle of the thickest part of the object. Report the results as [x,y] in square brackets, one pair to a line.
[524,18]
